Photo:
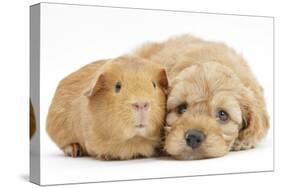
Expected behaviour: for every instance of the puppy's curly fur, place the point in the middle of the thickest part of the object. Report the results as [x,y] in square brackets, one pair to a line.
[208,78]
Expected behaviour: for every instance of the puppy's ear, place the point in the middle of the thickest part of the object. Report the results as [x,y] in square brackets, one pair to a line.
[163,79]
[255,120]
[96,84]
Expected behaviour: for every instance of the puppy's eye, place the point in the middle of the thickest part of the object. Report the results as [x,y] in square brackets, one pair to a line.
[118,86]
[222,115]
[154,84]
[182,108]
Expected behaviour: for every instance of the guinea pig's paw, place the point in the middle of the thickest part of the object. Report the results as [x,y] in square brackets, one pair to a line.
[107,157]
[73,150]
[139,156]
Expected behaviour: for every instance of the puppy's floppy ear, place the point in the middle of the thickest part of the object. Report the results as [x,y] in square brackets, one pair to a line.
[255,120]
[162,79]
[96,84]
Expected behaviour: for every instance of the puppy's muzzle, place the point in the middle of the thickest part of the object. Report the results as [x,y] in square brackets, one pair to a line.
[194,138]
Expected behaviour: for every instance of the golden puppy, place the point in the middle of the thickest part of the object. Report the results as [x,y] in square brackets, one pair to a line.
[214,105]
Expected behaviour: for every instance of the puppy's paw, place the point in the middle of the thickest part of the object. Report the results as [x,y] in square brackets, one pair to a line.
[73,150]
[242,145]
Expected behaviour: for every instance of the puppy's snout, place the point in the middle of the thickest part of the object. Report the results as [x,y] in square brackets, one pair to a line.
[140,106]
[194,138]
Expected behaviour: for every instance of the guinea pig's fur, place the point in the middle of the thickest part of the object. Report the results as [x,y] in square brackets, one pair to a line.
[110,109]
[213,96]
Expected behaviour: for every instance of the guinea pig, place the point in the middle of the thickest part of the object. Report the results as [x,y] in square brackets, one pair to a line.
[111,109]
[215,104]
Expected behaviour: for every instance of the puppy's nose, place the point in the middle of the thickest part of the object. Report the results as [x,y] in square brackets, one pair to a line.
[194,138]
[140,106]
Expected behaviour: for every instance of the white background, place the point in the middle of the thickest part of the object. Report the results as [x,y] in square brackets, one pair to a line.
[72,36]
[14,94]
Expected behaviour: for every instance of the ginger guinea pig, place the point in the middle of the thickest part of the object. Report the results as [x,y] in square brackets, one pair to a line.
[110,109]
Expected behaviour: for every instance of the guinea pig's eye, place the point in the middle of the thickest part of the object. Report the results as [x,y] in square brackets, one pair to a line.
[154,84]
[182,108]
[118,86]
[222,115]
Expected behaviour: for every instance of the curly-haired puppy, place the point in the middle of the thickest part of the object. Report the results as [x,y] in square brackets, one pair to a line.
[214,104]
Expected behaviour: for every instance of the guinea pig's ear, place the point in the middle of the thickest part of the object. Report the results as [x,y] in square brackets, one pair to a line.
[95,85]
[255,120]
[163,79]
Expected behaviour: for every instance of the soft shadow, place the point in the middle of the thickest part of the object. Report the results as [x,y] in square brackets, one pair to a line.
[165,158]
[24,177]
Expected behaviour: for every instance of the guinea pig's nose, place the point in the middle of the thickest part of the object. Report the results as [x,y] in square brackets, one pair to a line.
[194,138]
[140,106]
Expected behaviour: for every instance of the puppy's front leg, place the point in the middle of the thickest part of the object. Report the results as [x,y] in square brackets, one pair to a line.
[243,145]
